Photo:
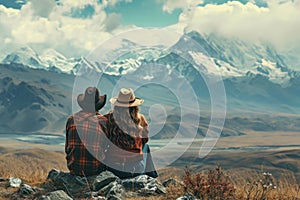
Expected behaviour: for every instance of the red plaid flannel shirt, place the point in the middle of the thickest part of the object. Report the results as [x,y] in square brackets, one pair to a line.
[83,143]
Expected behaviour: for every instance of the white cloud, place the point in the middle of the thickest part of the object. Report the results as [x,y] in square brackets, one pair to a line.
[77,3]
[42,7]
[170,5]
[44,27]
[113,21]
[111,3]
[278,23]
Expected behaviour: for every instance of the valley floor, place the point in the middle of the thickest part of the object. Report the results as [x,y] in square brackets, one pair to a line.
[241,157]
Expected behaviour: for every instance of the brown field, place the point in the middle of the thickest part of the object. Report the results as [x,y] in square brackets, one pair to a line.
[259,138]
[242,167]
[33,165]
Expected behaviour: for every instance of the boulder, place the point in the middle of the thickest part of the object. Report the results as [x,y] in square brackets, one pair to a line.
[99,198]
[14,182]
[116,192]
[69,182]
[94,196]
[171,181]
[59,176]
[56,195]
[187,196]
[26,190]
[103,179]
[144,185]
[105,185]
[3,179]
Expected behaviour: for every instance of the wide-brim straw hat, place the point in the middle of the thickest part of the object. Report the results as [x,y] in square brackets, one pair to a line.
[126,98]
[91,100]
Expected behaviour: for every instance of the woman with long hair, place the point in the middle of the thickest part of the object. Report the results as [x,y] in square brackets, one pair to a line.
[128,153]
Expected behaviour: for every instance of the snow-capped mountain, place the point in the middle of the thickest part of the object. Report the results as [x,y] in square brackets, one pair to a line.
[25,56]
[229,58]
[49,60]
[52,59]
[257,79]
[234,57]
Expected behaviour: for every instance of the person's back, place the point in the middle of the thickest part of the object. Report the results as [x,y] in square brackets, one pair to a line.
[126,147]
[84,135]
[127,129]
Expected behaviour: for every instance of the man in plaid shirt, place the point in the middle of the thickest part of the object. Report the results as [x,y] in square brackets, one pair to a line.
[84,135]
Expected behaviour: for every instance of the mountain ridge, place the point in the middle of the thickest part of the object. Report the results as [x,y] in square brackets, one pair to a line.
[268,86]
[231,57]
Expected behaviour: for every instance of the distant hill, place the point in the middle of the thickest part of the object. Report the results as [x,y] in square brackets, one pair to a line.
[36,90]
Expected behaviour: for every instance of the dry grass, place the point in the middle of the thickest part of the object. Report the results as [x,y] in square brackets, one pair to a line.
[287,186]
[33,165]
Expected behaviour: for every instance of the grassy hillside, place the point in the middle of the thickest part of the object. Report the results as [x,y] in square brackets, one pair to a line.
[31,165]
[243,170]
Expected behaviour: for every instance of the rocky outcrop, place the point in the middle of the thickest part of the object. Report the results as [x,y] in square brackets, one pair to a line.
[14,182]
[187,196]
[56,195]
[106,184]
[26,190]
[65,186]
[172,181]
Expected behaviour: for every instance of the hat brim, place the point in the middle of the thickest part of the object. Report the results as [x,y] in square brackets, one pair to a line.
[101,103]
[137,102]
[85,104]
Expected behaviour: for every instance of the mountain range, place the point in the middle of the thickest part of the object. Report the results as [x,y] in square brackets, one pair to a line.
[36,89]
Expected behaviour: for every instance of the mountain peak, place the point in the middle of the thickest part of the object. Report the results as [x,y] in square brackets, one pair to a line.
[24,55]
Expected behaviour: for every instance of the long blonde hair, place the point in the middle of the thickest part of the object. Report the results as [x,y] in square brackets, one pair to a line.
[123,126]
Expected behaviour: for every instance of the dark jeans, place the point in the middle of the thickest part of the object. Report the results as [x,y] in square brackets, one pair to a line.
[145,166]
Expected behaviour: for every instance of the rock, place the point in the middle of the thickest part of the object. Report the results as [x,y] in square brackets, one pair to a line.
[56,195]
[106,185]
[104,190]
[74,184]
[14,182]
[171,181]
[26,190]
[3,179]
[116,192]
[153,188]
[187,196]
[144,185]
[99,198]
[94,196]
[103,179]
[57,175]
[54,174]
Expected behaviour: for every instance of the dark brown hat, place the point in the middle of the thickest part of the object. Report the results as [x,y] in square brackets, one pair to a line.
[91,100]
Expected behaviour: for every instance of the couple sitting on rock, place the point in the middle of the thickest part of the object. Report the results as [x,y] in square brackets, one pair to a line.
[116,141]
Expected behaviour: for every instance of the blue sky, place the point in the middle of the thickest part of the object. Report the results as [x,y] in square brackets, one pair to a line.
[143,13]
[74,27]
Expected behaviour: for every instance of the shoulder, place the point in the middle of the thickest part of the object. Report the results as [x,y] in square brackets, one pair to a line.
[102,117]
[70,119]
[70,123]
[108,116]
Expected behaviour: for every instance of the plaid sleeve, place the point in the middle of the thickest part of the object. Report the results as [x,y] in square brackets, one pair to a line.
[83,138]
[70,128]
